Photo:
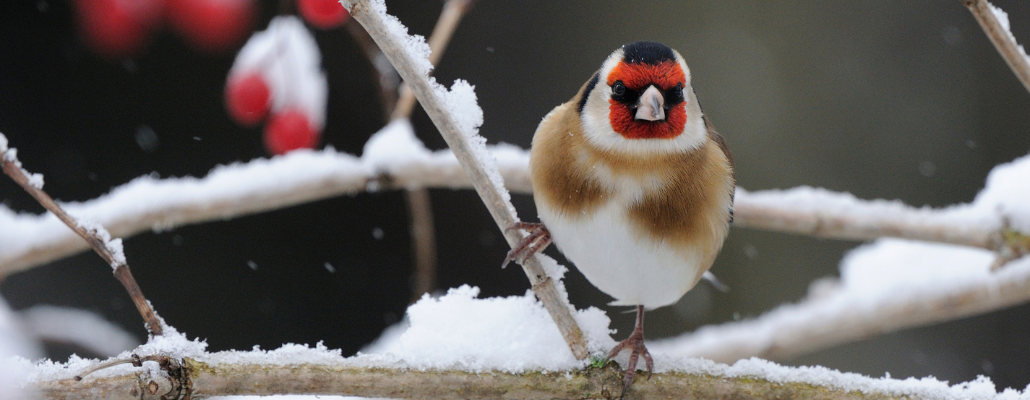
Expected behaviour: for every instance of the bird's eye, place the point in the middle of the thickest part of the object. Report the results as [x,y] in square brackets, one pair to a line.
[618,88]
[674,96]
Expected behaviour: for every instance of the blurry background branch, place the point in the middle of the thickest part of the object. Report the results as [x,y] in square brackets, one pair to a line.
[833,315]
[819,214]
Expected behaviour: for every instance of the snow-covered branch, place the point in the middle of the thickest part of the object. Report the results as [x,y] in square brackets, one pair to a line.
[462,346]
[395,159]
[885,286]
[458,117]
[217,379]
[995,24]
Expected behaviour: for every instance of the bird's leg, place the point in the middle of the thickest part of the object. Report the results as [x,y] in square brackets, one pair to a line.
[635,342]
[538,239]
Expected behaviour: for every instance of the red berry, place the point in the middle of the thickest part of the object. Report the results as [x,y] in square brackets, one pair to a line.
[118,28]
[289,130]
[323,14]
[212,25]
[247,98]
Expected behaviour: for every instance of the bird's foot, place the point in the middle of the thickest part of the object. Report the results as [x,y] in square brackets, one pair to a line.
[635,342]
[538,239]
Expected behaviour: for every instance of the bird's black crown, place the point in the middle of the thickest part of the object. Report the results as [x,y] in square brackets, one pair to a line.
[653,53]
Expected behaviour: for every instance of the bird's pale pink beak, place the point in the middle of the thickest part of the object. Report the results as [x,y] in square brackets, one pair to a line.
[651,105]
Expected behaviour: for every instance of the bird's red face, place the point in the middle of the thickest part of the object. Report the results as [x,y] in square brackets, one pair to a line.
[647,99]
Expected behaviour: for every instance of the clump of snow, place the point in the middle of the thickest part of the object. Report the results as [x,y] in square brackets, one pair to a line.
[288,354]
[1003,20]
[463,106]
[394,147]
[113,245]
[1006,193]
[36,180]
[887,265]
[512,334]
[287,56]
[926,388]
[83,328]
[11,155]
[171,343]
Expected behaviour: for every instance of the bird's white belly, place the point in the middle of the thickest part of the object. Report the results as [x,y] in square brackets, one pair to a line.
[634,269]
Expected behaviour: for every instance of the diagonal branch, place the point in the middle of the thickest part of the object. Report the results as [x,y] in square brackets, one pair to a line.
[95,235]
[493,196]
[988,17]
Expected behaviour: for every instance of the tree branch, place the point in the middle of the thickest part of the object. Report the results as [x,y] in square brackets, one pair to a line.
[802,211]
[94,235]
[840,316]
[221,379]
[1002,38]
[494,197]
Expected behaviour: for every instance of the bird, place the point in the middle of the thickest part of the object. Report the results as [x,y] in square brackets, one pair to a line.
[633,185]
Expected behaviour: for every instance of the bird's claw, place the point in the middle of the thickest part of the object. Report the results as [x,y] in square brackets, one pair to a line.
[635,342]
[538,239]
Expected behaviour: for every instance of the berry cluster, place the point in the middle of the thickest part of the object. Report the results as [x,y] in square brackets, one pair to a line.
[122,28]
[278,72]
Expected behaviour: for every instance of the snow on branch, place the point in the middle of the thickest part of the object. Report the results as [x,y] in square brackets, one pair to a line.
[885,286]
[995,24]
[462,347]
[395,159]
[457,116]
[753,379]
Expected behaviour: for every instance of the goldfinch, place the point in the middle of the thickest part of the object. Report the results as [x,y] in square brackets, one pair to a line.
[633,185]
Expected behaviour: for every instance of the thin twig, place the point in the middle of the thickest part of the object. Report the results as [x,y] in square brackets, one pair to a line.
[1002,39]
[423,242]
[220,379]
[499,207]
[12,167]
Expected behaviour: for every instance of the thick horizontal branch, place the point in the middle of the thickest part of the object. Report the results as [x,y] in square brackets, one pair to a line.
[326,379]
[264,185]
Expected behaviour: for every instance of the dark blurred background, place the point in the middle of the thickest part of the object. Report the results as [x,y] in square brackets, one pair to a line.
[897,100]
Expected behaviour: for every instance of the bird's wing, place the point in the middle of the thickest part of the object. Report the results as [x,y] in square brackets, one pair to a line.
[718,139]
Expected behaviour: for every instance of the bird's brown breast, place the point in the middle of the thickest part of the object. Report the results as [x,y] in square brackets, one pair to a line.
[683,198]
